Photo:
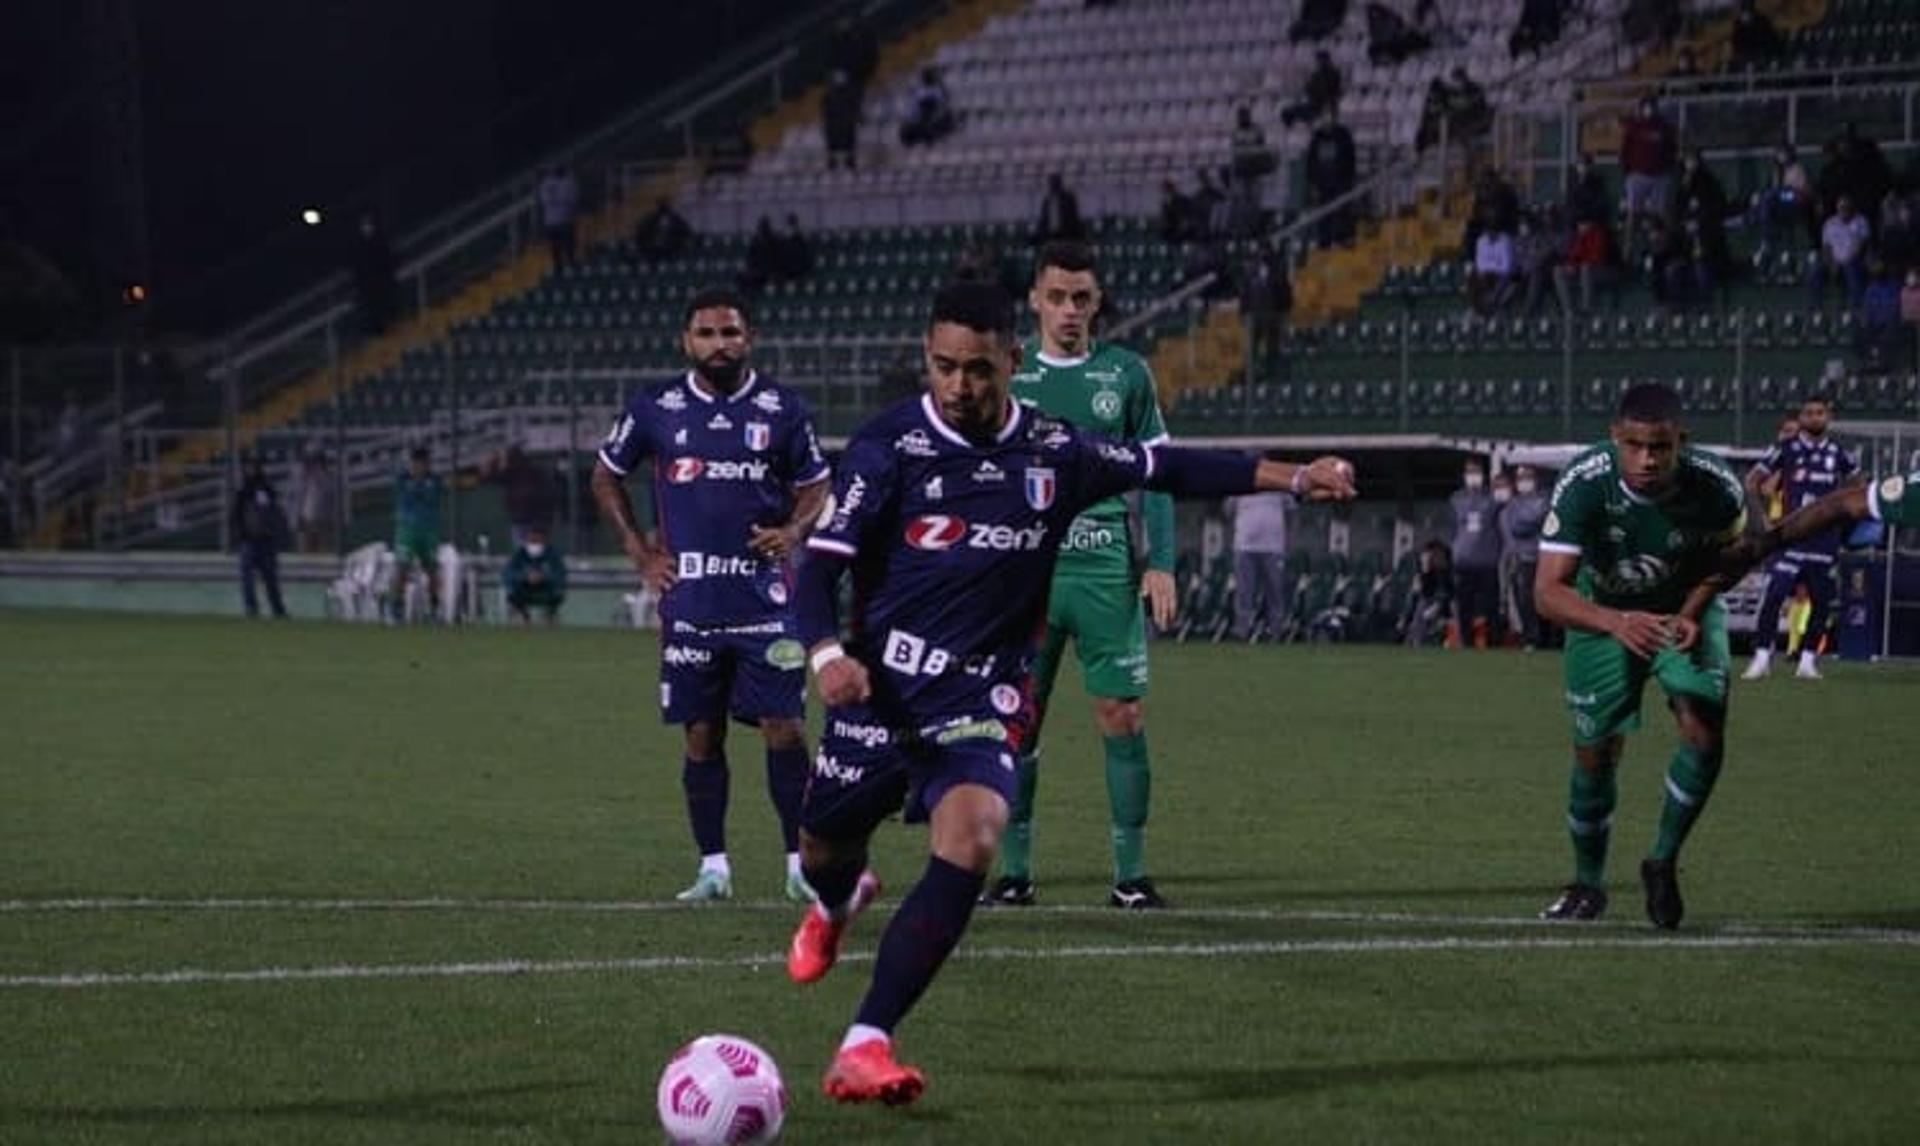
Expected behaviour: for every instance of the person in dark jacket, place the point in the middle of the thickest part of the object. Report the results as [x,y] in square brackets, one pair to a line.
[259,527]
[535,577]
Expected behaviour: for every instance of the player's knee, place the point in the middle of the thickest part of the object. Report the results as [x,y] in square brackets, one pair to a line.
[705,740]
[1601,757]
[783,735]
[1120,717]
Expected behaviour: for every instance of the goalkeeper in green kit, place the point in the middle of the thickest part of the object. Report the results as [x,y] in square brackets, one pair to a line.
[1096,594]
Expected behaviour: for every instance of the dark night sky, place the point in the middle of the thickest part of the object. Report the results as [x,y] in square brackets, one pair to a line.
[252,109]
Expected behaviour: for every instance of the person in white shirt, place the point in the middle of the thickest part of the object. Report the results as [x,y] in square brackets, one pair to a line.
[558,197]
[1490,286]
[1262,591]
[1843,245]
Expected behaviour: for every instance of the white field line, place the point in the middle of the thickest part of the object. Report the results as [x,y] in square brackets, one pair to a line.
[191,976]
[109,904]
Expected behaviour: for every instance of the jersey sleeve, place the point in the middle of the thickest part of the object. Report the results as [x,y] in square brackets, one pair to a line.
[1100,467]
[1145,422]
[863,489]
[1891,501]
[628,441]
[1845,465]
[1572,516]
[1730,507]
[1769,462]
[805,463]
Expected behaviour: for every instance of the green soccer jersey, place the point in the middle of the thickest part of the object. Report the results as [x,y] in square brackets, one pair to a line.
[1637,552]
[1894,500]
[1108,391]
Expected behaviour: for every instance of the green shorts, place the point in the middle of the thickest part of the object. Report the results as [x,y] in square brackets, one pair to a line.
[1109,629]
[1604,680]
[417,546]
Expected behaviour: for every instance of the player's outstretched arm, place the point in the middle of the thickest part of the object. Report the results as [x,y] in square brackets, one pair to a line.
[1811,520]
[1223,473]
[1559,602]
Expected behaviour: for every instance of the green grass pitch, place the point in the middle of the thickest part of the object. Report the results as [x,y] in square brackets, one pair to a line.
[351,885]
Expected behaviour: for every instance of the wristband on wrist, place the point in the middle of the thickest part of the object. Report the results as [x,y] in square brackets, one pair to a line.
[826,655]
[1299,483]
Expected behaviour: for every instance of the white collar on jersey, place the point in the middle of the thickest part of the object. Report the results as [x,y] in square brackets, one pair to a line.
[707,396]
[928,407]
[1062,363]
[1807,439]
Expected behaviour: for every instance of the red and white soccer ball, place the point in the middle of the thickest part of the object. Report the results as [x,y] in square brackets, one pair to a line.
[720,1090]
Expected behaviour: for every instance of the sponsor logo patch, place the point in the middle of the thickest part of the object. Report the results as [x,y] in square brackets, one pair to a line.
[787,654]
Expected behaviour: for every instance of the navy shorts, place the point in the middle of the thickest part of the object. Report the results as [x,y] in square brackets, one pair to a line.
[868,768]
[750,672]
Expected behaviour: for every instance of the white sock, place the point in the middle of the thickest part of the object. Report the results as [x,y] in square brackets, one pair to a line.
[1807,657]
[793,863]
[1762,655]
[717,864]
[861,1033]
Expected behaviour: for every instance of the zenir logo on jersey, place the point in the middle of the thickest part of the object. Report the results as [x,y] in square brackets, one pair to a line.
[935,532]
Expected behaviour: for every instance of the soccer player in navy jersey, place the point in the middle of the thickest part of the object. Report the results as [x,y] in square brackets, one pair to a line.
[948,510]
[737,479]
[1808,465]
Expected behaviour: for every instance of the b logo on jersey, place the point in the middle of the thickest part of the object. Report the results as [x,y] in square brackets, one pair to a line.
[759,435]
[935,532]
[1040,487]
[680,471]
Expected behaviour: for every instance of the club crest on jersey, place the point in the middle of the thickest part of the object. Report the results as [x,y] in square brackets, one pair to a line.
[1106,405]
[1040,487]
[759,435]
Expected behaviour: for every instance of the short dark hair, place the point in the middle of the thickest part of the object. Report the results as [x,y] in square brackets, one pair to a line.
[1652,403]
[714,298]
[419,454]
[1069,255]
[1820,396]
[984,307]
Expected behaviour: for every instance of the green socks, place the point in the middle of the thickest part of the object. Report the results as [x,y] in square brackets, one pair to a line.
[1129,788]
[1689,782]
[1016,849]
[1589,821]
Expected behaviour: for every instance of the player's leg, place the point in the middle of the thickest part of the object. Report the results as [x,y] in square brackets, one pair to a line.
[1696,686]
[859,779]
[249,598]
[1015,885]
[1112,645]
[1780,582]
[1819,580]
[695,681]
[429,557]
[1603,686]
[770,688]
[1246,593]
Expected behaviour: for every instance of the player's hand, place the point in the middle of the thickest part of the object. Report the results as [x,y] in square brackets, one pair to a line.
[842,680]
[655,565]
[1163,597]
[1328,478]
[773,542]
[1686,633]
[1644,634]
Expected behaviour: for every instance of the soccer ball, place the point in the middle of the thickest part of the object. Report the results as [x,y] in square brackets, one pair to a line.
[719,1090]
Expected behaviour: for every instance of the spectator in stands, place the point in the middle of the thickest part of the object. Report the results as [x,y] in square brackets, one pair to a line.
[931,116]
[1910,316]
[1589,260]
[1843,246]
[1588,200]
[1262,591]
[1207,198]
[1703,212]
[1177,223]
[1391,38]
[1322,92]
[1253,160]
[663,234]
[1537,246]
[793,252]
[1882,338]
[840,121]
[1059,214]
[1899,236]
[526,488]
[1673,272]
[1784,205]
[259,532]
[1648,148]
[1755,42]
[535,577]
[316,500]
[1332,167]
[854,54]
[1521,517]
[1431,603]
[1238,215]
[372,265]
[1496,207]
[1857,169]
[1317,20]
[1541,22]
[763,258]
[558,196]
[1208,256]
[1476,558]
[1490,281]
[1266,296]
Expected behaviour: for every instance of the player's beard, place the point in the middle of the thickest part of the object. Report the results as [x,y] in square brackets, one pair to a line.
[721,373]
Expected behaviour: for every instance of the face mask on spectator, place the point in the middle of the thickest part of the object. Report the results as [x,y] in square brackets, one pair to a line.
[535,549]
[1475,479]
[1524,486]
[1502,493]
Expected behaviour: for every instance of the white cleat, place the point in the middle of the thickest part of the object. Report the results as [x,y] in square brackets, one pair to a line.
[1757,668]
[1809,669]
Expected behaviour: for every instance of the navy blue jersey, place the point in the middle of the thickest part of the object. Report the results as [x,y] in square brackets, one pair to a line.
[720,467]
[952,546]
[1808,469]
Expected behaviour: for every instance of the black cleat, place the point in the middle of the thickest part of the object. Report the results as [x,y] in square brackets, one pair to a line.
[1009,891]
[1135,895]
[1662,880]
[1577,902]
